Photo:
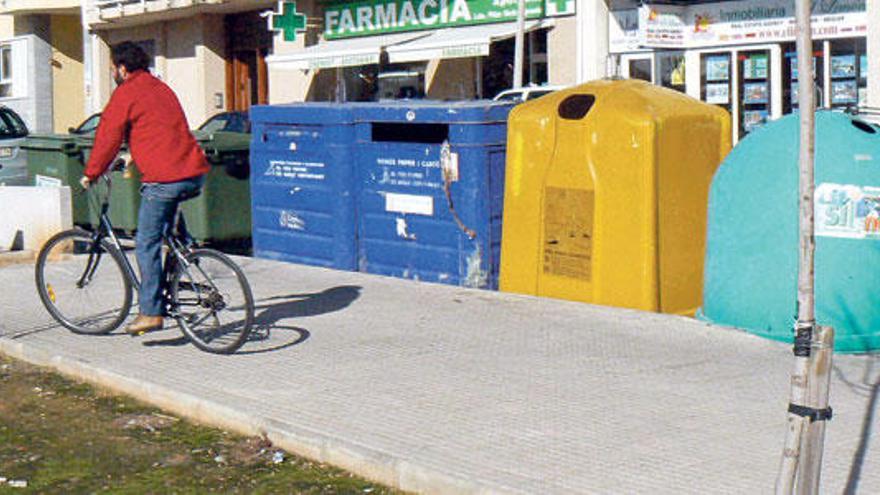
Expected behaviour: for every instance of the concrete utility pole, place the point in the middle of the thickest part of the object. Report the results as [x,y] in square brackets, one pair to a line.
[518,44]
[89,107]
[808,405]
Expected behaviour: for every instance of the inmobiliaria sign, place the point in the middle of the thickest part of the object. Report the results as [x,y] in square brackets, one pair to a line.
[365,18]
[747,21]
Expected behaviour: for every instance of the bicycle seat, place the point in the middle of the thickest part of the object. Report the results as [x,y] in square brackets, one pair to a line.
[191,195]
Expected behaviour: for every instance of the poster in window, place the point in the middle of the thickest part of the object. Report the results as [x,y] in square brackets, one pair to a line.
[863,66]
[755,93]
[718,94]
[844,92]
[754,119]
[843,66]
[755,67]
[794,67]
[718,68]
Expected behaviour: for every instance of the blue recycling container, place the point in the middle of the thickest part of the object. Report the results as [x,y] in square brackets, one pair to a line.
[752,245]
[302,182]
[416,221]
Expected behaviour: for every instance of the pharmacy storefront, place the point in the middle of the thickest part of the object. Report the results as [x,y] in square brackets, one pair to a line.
[388,49]
[741,55]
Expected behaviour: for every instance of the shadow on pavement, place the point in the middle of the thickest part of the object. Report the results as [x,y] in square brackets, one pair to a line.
[867,386]
[32,331]
[268,318]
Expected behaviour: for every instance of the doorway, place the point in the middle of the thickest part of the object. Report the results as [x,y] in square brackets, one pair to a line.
[248,42]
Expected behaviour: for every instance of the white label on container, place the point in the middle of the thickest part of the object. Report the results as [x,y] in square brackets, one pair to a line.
[409,203]
[295,170]
[849,211]
[43,181]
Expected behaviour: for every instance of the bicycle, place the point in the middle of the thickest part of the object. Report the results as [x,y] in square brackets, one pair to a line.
[200,285]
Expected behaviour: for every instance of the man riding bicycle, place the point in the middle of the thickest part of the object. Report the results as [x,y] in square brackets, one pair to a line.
[146,111]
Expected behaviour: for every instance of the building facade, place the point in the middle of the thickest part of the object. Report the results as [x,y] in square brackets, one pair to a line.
[223,55]
[741,55]
[41,67]
[366,50]
[211,52]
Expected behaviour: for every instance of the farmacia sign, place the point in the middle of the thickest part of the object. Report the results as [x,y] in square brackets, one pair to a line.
[364,18]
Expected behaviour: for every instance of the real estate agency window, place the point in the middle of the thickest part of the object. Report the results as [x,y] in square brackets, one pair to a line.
[5,70]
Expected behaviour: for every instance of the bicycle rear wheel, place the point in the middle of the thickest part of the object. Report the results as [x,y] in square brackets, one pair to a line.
[212,301]
[83,285]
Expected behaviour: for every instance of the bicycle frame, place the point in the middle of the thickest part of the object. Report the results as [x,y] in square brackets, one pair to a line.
[178,241]
[174,255]
[105,230]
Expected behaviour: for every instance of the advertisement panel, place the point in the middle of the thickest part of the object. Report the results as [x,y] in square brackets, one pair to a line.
[745,21]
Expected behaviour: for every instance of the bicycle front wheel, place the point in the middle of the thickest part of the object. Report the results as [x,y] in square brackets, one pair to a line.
[212,301]
[83,284]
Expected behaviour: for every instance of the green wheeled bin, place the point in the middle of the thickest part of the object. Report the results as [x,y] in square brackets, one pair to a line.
[57,160]
[223,211]
[125,196]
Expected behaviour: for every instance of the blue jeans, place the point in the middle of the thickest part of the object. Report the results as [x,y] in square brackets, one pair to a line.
[158,205]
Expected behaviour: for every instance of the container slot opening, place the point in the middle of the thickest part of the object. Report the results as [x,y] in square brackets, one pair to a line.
[864,126]
[576,107]
[410,133]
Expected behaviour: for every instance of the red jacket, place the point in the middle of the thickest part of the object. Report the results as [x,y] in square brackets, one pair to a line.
[161,144]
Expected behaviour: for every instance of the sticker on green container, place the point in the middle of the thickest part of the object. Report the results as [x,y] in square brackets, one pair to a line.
[847,211]
[44,181]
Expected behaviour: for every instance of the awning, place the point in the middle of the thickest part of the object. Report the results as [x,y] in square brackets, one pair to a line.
[341,53]
[470,41]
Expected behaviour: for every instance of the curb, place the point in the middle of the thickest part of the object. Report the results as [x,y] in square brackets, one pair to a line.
[17,257]
[364,461]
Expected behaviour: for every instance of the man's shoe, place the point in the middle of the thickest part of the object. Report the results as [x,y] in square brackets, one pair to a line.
[143,324]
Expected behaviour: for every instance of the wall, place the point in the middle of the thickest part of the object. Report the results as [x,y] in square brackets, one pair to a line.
[290,85]
[37,212]
[451,79]
[67,72]
[33,98]
[184,72]
[212,53]
[32,87]
[189,58]
[588,44]
[7,26]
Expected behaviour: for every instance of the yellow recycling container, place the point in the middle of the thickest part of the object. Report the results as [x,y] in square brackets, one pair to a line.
[606,189]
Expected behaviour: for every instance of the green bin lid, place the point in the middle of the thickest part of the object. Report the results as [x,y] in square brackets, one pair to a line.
[64,143]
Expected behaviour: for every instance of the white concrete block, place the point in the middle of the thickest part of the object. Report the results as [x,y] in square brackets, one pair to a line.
[37,212]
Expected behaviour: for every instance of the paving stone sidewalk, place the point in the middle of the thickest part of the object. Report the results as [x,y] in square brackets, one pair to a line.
[442,390]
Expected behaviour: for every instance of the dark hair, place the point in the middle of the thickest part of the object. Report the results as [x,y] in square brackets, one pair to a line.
[130,56]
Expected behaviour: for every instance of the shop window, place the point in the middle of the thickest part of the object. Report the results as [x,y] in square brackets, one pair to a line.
[404,83]
[715,79]
[848,72]
[379,82]
[640,68]
[671,70]
[5,71]
[497,67]
[790,75]
[754,90]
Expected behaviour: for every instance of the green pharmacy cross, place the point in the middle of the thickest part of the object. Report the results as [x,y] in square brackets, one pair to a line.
[288,20]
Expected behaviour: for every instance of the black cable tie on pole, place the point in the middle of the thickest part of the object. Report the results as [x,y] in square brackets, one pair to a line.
[802,339]
[810,412]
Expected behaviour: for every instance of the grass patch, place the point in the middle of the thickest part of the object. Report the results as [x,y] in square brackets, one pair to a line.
[61,436]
